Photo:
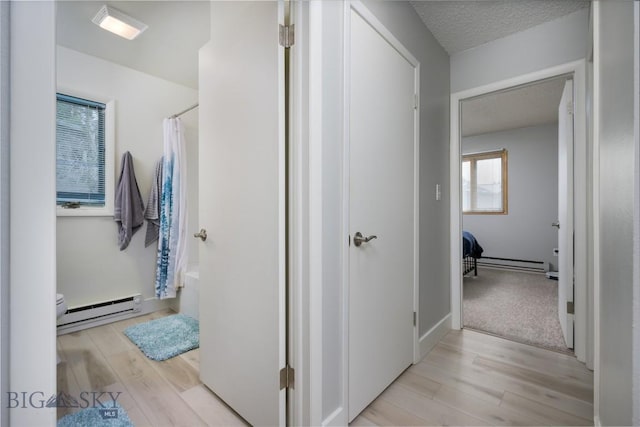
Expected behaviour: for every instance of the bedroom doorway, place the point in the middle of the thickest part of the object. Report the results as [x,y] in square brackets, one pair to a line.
[510,200]
[515,210]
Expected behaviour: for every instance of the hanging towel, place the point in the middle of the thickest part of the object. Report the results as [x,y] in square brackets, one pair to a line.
[172,240]
[152,213]
[128,212]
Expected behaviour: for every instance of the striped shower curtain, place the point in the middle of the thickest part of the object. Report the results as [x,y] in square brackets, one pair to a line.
[172,241]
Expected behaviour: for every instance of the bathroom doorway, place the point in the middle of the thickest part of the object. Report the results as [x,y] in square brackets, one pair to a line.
[131,86]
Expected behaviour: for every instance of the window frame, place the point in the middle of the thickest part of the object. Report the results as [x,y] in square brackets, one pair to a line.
[473,158]
[109,157]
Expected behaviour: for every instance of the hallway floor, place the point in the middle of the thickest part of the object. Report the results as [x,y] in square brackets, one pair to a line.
[471,378]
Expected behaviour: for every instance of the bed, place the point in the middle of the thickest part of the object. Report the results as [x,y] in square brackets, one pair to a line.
[471,251]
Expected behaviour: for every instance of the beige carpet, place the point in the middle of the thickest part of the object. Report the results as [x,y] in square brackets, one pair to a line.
[515,305]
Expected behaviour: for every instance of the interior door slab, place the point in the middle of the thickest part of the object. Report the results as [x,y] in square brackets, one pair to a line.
[565,212]
[381,174]
[242,338]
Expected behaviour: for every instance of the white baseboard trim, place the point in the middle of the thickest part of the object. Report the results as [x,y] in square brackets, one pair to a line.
[434,335]
[336,419]
[149,305]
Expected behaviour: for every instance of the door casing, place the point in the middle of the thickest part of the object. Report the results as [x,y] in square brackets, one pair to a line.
[582,184]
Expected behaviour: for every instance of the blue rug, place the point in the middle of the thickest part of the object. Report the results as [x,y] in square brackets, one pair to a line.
[111,415]
[167,337]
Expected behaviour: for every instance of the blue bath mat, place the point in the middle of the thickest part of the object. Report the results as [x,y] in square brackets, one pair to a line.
[164,338]
[111,415]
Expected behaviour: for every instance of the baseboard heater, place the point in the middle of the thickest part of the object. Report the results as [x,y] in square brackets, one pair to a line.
[101,312]
[514,264]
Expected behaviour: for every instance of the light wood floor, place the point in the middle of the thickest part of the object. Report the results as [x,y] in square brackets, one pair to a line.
[469,378]
[167,393]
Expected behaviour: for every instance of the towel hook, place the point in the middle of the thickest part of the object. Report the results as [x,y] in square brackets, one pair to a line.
[202,235]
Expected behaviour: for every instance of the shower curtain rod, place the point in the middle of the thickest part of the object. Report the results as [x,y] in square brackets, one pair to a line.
[184,111]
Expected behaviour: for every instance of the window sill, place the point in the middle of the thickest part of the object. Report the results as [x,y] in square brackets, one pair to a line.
[485,213]
[84,211]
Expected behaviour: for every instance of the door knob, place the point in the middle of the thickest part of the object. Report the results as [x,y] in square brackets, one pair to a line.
[556,224]
[202,235]
[359,239]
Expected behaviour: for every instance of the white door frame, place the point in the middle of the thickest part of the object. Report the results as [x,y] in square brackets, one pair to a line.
[595,206]
[305,183]
[581,186]
[4,207]
[32,330]
[370,18]
[636,255]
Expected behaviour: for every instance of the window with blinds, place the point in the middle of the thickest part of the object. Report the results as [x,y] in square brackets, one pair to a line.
[80,152]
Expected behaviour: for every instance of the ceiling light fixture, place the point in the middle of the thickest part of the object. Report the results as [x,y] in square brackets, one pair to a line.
[118,23]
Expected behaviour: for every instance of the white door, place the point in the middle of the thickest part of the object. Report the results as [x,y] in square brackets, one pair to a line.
[381,162]
[565,211]
[242,262]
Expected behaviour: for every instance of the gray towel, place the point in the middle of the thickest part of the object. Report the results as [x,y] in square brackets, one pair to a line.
[129,208]
[152,213]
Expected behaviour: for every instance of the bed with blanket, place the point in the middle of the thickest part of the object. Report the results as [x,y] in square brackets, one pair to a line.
[471,251]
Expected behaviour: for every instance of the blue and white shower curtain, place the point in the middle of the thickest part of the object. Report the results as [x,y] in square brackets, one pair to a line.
[172,241]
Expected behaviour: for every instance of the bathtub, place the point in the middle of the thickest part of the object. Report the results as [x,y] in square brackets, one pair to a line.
[190,295]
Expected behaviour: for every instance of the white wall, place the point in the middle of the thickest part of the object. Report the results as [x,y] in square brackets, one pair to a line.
[32,209]
[91,267]
[525,232]
[615,58]
[332,163]
[402,20]
[543,46]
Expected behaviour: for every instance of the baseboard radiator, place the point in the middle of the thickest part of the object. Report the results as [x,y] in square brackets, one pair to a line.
[95,314]
[514,264]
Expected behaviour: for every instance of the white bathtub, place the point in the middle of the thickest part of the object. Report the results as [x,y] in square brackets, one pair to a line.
[190,295]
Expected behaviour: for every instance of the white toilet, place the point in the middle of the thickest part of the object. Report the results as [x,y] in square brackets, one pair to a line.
[61,306]
[61,309]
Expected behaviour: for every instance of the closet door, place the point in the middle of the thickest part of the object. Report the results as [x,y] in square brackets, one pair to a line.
[382,207]
[242,202]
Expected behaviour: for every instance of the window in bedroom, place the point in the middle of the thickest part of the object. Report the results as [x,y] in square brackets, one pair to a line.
[83,176]
[484,183]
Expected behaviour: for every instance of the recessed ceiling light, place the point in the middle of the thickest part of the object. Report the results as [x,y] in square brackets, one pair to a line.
[118,23]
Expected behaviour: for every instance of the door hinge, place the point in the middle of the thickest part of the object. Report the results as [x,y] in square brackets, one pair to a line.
[415,318]
[570,309]
[287,377]
[416,101]
[286,35]
[570,107]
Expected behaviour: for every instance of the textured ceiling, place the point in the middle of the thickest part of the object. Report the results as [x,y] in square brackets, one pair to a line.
[461,25]
[521,107]
[167,49]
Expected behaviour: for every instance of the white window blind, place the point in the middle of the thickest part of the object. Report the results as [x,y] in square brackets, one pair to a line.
[80,151]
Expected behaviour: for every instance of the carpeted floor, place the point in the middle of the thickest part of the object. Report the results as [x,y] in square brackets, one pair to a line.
[516,305]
